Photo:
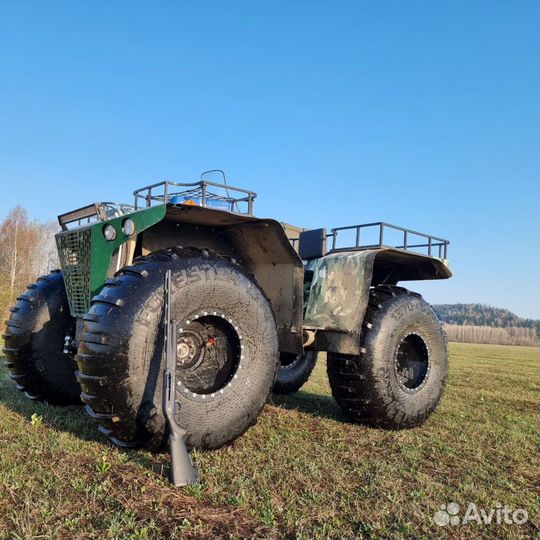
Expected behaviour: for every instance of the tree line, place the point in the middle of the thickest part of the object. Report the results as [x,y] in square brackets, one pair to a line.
[510,335]
[27,250]
[480,323]
[482,315]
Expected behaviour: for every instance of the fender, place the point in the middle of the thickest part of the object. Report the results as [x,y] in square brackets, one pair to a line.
[339,292]
[260,246]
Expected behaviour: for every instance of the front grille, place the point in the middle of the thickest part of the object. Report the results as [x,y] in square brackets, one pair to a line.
[74,253]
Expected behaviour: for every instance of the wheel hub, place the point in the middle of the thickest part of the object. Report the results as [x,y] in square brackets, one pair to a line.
[189,349]
[208,353]
[289,360]
[412,362]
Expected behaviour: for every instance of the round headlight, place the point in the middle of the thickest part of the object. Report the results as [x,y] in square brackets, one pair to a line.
[128,227]
[109,232]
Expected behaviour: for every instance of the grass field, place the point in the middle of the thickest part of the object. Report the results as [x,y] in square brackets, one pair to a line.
[301,472]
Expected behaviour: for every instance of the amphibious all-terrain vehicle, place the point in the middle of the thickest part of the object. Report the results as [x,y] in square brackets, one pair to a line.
[254,300]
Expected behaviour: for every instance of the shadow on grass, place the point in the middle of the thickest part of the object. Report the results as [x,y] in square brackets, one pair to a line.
[74,420]
[314,404]
[71,418]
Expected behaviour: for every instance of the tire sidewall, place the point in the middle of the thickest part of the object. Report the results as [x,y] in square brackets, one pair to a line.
[43,324]
[200,286]
[51,324]
[409,314]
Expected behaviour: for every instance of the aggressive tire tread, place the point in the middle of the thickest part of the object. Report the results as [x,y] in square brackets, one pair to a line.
[129,304]
[34,338]
[364,387]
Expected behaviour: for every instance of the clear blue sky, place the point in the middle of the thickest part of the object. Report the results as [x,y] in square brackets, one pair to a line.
[423,114]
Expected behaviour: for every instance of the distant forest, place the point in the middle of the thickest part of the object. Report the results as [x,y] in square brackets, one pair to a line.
[479,323]
[482,315]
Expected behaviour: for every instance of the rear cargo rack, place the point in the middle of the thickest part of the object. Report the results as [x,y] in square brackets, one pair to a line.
[203,193]
[410,240]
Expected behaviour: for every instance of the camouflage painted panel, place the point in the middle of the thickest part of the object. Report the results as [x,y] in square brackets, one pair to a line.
[339,291]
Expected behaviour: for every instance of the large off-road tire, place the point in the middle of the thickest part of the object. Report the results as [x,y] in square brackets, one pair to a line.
[227,350]
[398,379]
[34,343]
[294,371]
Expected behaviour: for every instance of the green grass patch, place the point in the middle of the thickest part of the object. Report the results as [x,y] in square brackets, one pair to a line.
[302,472]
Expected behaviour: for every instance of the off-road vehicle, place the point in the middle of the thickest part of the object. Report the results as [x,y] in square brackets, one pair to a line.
[254,300]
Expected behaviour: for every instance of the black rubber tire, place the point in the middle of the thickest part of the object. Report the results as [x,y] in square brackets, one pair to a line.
[367,387]
[294,372]
[120,352]
[34,343]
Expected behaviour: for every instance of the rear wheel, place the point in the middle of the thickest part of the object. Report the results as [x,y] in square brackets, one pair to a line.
[227,353]
[398,379]
[294,371]
[34,343]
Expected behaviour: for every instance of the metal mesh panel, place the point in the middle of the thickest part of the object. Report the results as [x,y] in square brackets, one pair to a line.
[74,252]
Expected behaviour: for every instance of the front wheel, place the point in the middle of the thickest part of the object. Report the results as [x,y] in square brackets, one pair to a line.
[398,379]
[227,350]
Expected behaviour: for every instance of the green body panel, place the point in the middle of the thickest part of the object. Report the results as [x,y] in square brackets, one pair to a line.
[85,254]
[339,291]
[102,249]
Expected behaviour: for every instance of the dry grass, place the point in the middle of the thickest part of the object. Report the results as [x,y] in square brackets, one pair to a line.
[301,472]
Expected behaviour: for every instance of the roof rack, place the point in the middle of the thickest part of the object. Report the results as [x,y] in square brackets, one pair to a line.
[203,193]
